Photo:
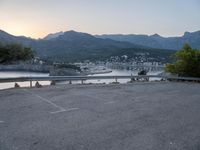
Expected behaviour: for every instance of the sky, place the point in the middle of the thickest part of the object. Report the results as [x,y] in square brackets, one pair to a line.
[37,18]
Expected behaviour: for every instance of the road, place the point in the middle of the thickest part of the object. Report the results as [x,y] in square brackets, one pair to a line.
[139,116]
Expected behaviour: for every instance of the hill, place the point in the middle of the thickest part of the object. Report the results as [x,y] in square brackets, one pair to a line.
[157,41]
[8,38]
[74,46]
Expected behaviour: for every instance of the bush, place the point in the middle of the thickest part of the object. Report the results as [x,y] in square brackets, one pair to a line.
[14,52]
[187,62]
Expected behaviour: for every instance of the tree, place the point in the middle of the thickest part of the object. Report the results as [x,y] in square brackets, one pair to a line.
[187,62]
[15,52]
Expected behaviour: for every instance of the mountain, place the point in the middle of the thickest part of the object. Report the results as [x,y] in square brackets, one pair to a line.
[78,46]
[53,35]
[8,38]
[82,44]
[157,41]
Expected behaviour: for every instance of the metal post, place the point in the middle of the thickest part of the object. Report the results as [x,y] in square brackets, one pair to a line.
[70,82]
[116,79]
[81,81]
[31,85]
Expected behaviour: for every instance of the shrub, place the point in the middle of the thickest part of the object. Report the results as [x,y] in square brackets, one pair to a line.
[14,52]
[187,62]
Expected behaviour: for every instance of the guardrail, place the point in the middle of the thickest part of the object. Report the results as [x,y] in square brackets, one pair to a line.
[83,78]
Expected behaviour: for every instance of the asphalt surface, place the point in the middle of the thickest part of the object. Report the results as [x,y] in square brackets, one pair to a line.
[143,116]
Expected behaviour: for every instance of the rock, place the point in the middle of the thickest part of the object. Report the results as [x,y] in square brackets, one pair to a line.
[38,85]
[142,72]
[17,85]
[132,80]
[53,83]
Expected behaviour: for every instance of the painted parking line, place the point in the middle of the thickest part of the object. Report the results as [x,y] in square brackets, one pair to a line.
[60,109]
[110,102]
[66,110]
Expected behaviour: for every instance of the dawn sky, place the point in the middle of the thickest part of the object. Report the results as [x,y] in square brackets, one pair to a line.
[36,18]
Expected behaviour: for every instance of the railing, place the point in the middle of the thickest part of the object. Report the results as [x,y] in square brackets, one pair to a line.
[83,78]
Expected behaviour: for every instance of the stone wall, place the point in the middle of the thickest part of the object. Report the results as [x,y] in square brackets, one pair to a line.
[63,72]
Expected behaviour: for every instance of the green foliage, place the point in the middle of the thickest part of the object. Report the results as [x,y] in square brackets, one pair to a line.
[187,62]
[14,52]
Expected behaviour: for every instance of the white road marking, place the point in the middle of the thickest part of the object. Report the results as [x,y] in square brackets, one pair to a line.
[110,102]
[61,109]
[70,109]
[66,110]
[2,121]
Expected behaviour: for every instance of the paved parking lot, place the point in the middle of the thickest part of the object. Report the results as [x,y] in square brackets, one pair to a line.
[140,116]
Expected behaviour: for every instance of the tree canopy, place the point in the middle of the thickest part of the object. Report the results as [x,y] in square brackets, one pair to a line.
[14,52]
[187,62]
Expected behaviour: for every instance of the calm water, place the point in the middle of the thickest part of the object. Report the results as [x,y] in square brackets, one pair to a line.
[7,74]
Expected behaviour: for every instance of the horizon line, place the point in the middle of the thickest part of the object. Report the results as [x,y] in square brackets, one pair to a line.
[100,34]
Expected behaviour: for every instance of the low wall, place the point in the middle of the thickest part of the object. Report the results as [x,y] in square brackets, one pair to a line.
[63,72]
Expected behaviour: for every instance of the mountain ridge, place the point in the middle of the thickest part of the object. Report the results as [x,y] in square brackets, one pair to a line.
[79,46]
[71,46]
[156,40]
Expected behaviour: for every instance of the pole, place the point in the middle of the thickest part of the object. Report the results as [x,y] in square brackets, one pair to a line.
[31,85]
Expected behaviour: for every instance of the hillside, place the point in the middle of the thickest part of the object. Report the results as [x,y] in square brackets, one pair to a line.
[73,46]
[157,41]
